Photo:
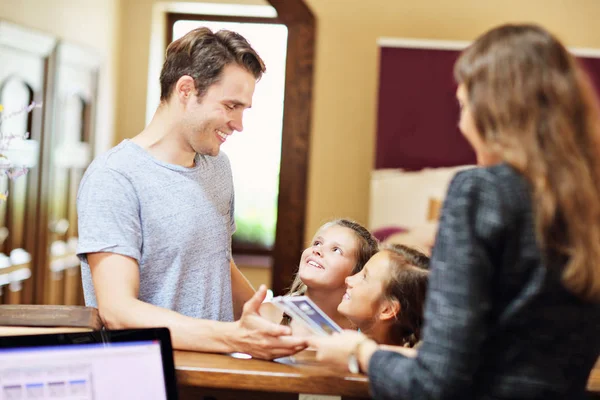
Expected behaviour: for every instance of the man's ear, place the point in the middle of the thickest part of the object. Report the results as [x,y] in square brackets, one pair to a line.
[185,88]
[389,310]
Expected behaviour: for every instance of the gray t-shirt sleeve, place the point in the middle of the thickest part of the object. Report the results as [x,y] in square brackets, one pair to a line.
[108,215]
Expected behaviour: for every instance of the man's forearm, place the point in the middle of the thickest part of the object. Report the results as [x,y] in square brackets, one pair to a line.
[187,333]
[241,290]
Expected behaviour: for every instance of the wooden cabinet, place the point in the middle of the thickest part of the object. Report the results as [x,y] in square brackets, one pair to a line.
[23,79]
[38,218]
[68,153]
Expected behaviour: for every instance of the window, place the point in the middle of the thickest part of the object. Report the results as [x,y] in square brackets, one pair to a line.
[255,153]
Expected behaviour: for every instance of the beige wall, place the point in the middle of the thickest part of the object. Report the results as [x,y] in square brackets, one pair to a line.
[346,73]
[91,23]
[344,109]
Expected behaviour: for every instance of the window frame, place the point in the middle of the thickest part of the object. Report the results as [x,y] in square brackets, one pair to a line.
[239,248]
[295,140]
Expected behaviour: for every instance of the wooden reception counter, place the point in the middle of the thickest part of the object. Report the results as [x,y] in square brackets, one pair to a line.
[206,376]
[222,377]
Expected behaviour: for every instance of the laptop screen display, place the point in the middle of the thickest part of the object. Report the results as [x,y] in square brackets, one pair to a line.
[84,371]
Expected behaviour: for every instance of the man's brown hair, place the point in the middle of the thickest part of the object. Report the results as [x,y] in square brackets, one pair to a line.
[202,55]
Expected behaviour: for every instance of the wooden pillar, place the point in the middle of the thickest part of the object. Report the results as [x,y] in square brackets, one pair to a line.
[291,213]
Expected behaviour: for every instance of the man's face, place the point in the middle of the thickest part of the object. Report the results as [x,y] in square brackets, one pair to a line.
[210,120]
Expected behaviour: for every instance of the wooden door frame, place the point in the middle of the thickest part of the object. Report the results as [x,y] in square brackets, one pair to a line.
[297,112]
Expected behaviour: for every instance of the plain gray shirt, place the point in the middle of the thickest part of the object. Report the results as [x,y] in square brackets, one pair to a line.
[176,222]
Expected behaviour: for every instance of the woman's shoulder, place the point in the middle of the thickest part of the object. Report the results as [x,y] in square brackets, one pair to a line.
[495,174]
[500,182]
[492,198]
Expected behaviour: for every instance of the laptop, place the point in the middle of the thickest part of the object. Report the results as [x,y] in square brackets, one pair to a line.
[100,365]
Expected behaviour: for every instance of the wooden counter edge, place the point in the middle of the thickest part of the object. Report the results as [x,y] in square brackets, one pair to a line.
[28,330]
[289,379]
[258,375]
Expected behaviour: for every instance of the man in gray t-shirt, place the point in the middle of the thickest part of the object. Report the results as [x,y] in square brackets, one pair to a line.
[162,215]
[156,212]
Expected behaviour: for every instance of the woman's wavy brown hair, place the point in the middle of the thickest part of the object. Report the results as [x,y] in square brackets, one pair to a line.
[535,107]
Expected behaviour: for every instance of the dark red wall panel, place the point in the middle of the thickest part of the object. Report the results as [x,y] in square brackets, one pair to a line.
[417,109]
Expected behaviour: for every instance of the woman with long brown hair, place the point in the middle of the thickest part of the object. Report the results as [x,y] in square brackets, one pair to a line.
[513,305]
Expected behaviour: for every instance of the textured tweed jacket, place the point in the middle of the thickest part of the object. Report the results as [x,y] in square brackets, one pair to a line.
[499,324]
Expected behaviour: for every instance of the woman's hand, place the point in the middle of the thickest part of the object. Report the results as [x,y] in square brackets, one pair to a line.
[335,350]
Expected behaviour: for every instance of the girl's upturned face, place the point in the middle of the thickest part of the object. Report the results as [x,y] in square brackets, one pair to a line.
[330,259]
[365,291]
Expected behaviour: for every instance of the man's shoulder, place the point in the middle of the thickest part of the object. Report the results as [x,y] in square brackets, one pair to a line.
[119,158]
[117,161]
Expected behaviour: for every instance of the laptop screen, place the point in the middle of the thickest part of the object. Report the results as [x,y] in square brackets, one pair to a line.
[76,369]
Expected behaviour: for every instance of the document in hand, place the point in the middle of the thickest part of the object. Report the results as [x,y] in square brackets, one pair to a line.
[303,309]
